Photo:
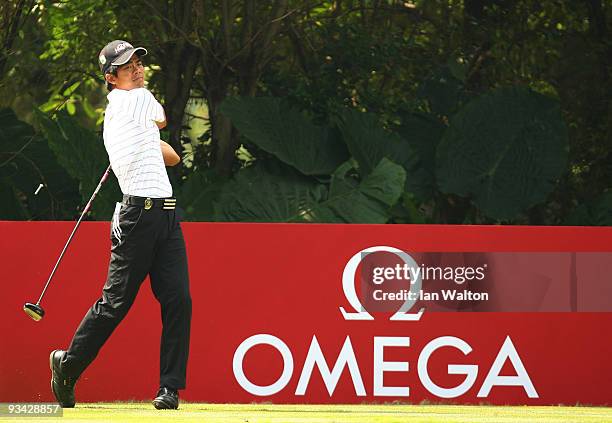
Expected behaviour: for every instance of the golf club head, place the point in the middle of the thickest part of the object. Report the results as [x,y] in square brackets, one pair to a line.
[35,311]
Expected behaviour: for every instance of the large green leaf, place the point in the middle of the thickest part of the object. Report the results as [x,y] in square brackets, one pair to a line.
[367,201]
[197,194]
[81,152]
[505,150]
[260,195]
[275,127]
[369,143]
[25,162]
[595,213]
[11,207]
[423,133]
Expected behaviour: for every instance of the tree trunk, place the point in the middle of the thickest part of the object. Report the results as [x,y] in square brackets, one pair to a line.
[237,61]
[179,63]
[223,135]
[10,26]
[476,42]
[180,69]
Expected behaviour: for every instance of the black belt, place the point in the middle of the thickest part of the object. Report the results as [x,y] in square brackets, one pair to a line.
[150,203]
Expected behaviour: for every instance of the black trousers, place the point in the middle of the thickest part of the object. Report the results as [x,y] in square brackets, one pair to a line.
[144,242]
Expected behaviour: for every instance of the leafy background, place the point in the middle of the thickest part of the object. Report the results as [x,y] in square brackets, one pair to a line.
[465,112]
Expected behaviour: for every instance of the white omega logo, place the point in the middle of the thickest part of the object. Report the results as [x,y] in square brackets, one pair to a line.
[348,285]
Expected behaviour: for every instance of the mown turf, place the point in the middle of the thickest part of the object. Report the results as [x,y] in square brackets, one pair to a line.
[256,413]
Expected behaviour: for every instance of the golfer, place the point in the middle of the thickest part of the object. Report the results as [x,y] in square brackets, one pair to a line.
[146,236]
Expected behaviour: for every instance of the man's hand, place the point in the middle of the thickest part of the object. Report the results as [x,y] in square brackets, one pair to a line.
[170,156]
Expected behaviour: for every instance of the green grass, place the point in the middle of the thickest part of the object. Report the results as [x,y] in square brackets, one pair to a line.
[256,413]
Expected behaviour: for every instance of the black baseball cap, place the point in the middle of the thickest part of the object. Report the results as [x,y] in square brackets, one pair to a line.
[117,53]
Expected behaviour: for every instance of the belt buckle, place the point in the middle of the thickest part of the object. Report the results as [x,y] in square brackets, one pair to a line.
[148,204]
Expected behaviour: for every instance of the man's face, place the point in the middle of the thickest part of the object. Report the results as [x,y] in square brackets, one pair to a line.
[129,75]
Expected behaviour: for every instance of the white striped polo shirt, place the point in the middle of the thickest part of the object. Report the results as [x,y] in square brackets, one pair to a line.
[132,142]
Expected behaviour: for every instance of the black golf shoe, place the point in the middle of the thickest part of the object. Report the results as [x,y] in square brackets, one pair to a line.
[61,385]
[166,399]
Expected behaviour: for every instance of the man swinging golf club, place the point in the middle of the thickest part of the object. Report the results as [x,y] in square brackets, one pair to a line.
[145,234]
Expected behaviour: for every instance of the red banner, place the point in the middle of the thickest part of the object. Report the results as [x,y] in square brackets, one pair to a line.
[279,315]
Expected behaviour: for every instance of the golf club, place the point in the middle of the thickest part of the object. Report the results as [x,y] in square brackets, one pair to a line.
[35,311]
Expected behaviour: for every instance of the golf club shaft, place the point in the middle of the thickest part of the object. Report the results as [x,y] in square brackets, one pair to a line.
[85,210]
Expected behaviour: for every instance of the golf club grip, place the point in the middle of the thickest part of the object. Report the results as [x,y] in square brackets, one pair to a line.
[85,210]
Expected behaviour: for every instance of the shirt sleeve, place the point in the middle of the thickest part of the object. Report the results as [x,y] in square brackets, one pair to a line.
[143,108]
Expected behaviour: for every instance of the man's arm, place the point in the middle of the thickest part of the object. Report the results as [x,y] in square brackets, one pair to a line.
[162,123]
[170,156]
[159,117]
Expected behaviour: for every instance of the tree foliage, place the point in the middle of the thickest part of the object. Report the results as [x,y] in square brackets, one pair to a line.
[487,111]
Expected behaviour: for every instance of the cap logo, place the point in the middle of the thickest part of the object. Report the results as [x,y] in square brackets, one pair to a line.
[102,59]
[122,46]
